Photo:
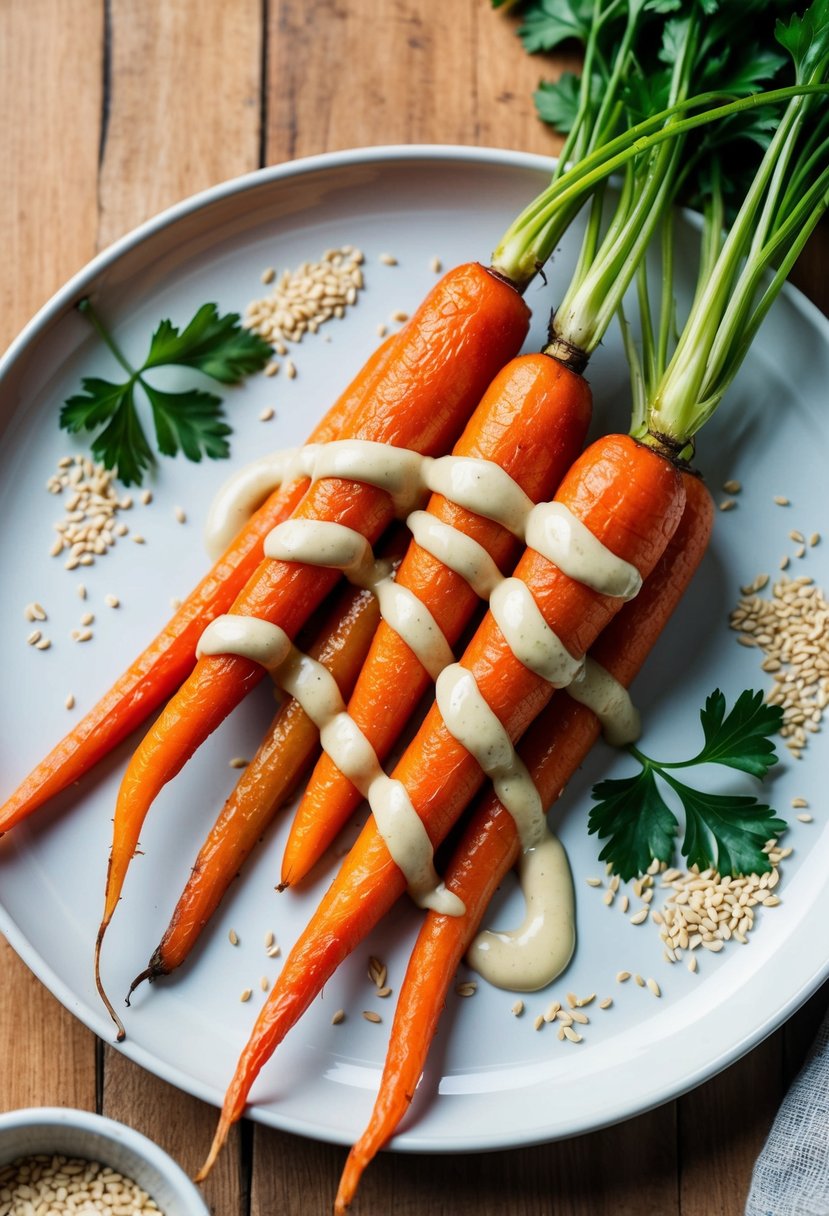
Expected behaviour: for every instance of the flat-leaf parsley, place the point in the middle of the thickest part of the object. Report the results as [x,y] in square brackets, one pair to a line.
[726,831]
[191,421]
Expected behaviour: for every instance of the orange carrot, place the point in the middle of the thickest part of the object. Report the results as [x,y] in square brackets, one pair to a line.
[531,422]
[631,499]
[167,661]
[281,759]
[469,325]
[552,749]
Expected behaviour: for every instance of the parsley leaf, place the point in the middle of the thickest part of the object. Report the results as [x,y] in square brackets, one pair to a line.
[558,102]
[547,23]
[191,421]
[726,831]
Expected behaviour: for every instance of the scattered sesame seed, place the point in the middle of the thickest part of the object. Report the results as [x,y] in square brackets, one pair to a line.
[799,802]
[571,1035]
[382,330]
[34,637]
[624,903]
[264,983]
[469,988]
[580,1017]
[267,414]
[781,500]
[35,612]
[180,515]
[622,976]
[436,265]
[238,762]
[274,951]
[399,316]
[175,603]
[784,563]
[593,882]
[728,504]
[606,1003]
[70,701]
[82,635]
[371,1016]
[639,981]
[518,1009]
[814,539]
[338,1017]
[112,601]
[608,897]
[640,917]
[233,937]
[139,540]
[805,818]
[88,618]
[552,1011]
[796,536]
[539,1022]
[572,1000]
[692,963]
[268,275]
[43,644]
[387,992]
[271,368]
[732,487]
[654,987]
[388,259]
[269,939]
[245,994]
[146,497]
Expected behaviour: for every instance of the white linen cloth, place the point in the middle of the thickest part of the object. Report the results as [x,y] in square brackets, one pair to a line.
[791,1175]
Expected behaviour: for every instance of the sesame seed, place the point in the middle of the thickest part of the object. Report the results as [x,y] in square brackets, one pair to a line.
[692,963]
[814,539]
[382,330]
[271,368]
[180,515]
[539,1022]
[70,701]
[805,818]
[268,275]
[580,1017]
[799,802]
[233,937]
[269,940]
[466,989]
[146,497]
[571,1035]
[82,635]
[238,762]
[436,266]
[88,618]
[781,500]
[388,259]
[639,981]
[290,369]
[267,414]
[593,882]
[43,644]
[552,1011]
[732,487]
[139,540]
[654,987]
[796,536]
[274,951]
[384,992]
[175,603]
[640,917]
[518,1009]
[245,994]
[606,1003]
[622,976]
[34,637]
[608,897]
[572,1000]
[338,1017]
[264,983]
[371,1016]
[112,601]
[728,504]
[399,316]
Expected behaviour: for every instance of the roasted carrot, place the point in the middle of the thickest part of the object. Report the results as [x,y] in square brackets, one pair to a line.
[280,761]
[468,326]
[553,749]
[631,499]
[531,422]
[167,661]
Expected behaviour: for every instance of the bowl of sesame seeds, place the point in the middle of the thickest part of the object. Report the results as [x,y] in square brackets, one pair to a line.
[55,1160]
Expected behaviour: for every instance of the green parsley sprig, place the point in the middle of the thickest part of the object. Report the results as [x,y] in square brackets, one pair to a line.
[724,831]
[191,421]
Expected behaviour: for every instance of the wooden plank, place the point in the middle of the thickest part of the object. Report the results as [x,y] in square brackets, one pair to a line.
[182,1125]
[184,105]
[621,1171]
[50,99]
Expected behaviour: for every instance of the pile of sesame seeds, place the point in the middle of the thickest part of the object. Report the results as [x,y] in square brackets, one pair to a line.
[89,526]
[791,629]
[302,300]
[44,1185]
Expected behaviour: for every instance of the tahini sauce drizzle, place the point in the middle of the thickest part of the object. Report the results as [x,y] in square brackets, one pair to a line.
[533,955]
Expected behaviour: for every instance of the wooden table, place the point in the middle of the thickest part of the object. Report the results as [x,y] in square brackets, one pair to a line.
[112,110]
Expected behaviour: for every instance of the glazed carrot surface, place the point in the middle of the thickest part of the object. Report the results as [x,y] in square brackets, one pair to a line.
[631,499]
[531,422]
[553,749]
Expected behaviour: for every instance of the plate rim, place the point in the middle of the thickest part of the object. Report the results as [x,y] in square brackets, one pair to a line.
[409,1141]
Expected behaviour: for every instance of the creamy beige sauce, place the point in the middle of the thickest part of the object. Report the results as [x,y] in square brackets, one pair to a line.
[528,635]
[555,532]
[457,551]
[610,701]
[317,692]
[530,957]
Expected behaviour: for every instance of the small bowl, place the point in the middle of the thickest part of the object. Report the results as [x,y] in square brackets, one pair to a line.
[78,1133]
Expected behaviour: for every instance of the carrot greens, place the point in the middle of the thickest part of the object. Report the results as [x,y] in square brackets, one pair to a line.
[726,831]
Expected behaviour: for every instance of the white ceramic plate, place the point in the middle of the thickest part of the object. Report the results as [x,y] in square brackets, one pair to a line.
[492,1081]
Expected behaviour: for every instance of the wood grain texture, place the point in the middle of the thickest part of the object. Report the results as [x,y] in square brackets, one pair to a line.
[51,73]
[183,105]
[184,109]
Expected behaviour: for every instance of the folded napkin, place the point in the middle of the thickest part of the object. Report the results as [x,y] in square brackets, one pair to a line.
[791,1176]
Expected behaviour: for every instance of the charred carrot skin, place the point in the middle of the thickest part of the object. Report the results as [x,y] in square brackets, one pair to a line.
[532,422]
[169,659]
[631,499]
[470,325]
[553,749]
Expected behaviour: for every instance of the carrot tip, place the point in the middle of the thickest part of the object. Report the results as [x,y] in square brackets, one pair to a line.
[282,886]
[215,1149]
[120,1032]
